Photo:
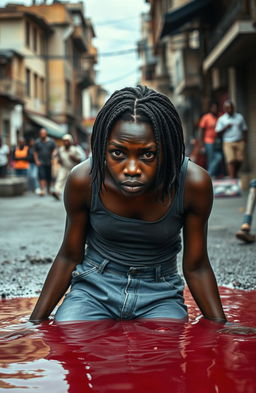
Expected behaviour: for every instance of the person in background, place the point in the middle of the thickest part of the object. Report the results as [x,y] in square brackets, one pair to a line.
[20,158]
[208,140]
[81,150]
[4,157]
[68,155]
[43,153]
[231,125]
[244,232]
[33,183]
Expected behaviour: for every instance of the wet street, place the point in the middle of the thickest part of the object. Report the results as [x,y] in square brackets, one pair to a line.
[32,227]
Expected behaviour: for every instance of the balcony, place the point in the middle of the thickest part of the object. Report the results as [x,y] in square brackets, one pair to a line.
[12,89]
[79,38]
[85,75]
[148,71]
[237,10]
[85,78]
[232,42]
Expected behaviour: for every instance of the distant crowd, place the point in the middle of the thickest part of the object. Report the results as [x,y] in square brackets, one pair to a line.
[220,143]
[219,147]
[45,165]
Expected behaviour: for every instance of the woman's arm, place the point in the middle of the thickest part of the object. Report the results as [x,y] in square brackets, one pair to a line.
[196,266]
[77,200]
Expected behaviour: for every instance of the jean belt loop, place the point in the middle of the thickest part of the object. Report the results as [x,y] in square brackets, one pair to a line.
[158,273]
[103,265]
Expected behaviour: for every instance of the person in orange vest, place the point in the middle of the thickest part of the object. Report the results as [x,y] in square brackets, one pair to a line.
[20,158]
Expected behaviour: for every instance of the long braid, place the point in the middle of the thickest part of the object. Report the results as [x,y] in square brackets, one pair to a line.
[142,104]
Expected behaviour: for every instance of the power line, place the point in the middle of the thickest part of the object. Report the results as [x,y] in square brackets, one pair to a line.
[120,77]
[102,54]
[114,22]
[118,53]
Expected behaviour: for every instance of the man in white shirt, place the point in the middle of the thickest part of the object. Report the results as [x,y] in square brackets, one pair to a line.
[68,155]
[233,128]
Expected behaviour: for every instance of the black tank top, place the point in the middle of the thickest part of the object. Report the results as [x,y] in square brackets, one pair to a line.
[136,242]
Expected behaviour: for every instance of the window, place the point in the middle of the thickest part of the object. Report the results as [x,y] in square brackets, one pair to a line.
[68,50]
[42,93]
[35,39]
[3,72]
[35,86]
[28,83]
[6,131]
[27,34]
[68,91]
[42,43]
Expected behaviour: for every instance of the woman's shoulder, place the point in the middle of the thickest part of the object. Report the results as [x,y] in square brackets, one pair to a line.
[79,182]
[198,186]
[196,175]
[82,170]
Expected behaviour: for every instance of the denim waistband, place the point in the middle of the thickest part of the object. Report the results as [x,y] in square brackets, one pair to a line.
[155,271]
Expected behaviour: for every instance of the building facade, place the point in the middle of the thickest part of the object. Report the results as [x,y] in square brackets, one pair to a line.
[205,50]
[23,70]
[47,53]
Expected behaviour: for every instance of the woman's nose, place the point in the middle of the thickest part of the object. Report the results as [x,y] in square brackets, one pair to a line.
[132,168]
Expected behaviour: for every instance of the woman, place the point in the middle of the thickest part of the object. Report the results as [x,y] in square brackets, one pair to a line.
[20,158]
[125,209]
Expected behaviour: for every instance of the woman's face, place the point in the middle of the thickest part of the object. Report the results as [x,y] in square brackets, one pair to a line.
[131,157]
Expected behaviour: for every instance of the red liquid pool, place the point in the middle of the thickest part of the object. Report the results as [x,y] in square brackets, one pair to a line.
[148,356]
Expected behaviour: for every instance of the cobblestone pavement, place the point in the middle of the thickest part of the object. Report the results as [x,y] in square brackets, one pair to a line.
[31,229]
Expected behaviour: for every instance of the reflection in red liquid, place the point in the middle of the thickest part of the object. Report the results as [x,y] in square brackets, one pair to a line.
[134,356]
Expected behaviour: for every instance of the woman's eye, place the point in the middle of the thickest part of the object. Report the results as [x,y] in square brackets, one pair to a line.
[117,153]
[148,155]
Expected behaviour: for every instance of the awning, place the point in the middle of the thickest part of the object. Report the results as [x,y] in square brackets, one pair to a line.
[173,20]
[9,53]
[53,129]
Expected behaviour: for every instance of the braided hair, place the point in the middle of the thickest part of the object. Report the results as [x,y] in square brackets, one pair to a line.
[144,105]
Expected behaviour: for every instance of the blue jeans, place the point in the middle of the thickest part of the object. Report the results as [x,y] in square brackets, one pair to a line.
[21,172]
[101,289]
[33,177]
[214,158]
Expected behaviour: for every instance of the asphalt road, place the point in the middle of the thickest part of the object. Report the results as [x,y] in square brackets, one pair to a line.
[31,230]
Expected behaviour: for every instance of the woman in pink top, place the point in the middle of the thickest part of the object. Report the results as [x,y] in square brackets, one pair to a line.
[207,137]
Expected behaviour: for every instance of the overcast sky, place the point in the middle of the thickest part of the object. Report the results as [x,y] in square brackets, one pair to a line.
[117,27]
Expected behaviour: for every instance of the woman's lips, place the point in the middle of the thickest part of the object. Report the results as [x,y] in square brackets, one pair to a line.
[132,186]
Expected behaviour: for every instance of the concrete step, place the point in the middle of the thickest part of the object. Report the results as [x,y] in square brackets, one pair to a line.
[12,186]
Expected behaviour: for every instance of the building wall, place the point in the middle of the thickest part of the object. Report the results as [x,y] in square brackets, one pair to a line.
[33,51]
[17,69]
[59,69]
[11,34]
[60,73]
[64,92]
[12,37]
[56,81]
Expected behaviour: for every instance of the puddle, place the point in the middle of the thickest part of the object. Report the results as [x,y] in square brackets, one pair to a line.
[138,356]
